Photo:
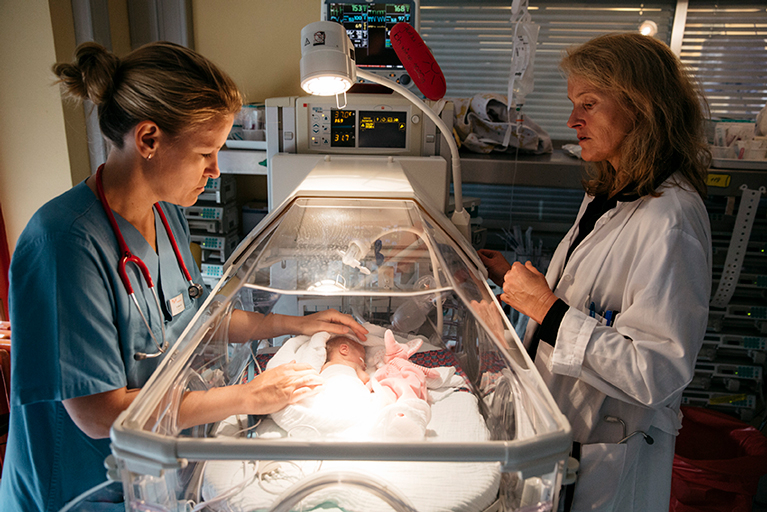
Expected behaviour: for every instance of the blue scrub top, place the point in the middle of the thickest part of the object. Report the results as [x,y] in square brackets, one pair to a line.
[75,333]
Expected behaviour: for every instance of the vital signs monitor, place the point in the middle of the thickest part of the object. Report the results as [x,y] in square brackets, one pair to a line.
[367,25]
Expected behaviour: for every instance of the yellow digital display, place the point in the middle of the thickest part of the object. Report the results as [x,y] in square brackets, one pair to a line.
[383,129]
[342,128]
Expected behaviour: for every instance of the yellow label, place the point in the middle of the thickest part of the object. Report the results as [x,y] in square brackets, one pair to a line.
[727,399]
[718,180]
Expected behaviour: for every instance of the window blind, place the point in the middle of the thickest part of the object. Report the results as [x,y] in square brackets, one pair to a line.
[472,42]
[725,45]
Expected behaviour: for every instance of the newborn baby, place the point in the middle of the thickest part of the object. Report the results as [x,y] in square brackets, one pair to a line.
[399,386]
[350,404]
[347,352]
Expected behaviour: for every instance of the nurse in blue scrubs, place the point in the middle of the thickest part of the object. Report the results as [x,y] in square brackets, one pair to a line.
[166,111]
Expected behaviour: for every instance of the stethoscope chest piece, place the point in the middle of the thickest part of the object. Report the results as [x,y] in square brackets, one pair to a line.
[195,290]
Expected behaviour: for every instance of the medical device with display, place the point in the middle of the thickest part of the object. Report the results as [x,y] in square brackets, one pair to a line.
[195,290]
[370,124]
[367,129]
[368,25]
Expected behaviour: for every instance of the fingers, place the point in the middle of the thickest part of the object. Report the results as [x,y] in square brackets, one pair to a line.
[292,377]
[522,271]
[359,331]
[339,323]
[296,367]
[310,380]
[302,393]
[529,266]
[334,328]
[489,253]
[486,255]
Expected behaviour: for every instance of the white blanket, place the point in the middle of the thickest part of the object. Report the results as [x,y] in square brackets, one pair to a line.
[430,486]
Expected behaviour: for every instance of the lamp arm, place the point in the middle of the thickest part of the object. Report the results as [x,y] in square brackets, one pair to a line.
[446,133]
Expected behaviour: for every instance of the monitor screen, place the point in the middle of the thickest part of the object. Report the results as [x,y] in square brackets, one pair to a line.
[368,25]
[383,129]
[343,128]
[368,129]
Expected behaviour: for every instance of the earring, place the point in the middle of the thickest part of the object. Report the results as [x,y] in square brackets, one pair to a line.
[149,156]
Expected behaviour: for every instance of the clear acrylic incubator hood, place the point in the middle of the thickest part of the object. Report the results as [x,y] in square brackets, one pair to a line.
[357,237]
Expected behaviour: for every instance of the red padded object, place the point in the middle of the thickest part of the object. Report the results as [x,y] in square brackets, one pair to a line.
[418,61]
[718,461]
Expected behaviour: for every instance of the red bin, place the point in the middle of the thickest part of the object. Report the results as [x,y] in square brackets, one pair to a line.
[718,461]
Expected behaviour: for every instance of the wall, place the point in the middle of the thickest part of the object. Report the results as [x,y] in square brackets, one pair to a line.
[74,115]
[256,41]
[34,164]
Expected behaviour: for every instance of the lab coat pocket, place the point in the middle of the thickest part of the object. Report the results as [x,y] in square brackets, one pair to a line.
[601,470]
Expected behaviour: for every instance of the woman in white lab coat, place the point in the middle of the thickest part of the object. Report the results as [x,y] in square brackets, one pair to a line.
[618,320]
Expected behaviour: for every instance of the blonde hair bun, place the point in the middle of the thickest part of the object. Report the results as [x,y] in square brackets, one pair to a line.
[90,76]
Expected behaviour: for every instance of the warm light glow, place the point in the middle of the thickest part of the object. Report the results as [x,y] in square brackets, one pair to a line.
[648,28]
[327,286]
[326,85]
[327,59]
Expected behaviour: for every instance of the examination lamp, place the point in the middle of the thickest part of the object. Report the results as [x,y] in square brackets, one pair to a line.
[328,68]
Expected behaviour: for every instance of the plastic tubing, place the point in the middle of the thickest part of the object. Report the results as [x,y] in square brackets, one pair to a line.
[318,481]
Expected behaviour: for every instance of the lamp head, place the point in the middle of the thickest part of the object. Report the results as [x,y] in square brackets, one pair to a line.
[327,59]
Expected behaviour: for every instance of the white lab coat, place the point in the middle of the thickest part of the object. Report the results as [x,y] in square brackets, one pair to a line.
[649,260]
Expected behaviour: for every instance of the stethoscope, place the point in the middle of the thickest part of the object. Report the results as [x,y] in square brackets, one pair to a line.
[195,290]
[647,437]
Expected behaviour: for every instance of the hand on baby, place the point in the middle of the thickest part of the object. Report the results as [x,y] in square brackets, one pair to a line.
[330,321]
[284,385]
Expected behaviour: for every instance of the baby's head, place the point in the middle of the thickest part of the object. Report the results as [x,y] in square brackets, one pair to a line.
[343,350]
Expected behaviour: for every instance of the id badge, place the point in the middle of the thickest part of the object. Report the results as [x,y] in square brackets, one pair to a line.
[177,304]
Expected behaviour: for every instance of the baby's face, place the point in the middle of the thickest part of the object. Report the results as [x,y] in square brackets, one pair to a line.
[357,354]
[353,354]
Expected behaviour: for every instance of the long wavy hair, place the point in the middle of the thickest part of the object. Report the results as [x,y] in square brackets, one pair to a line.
[669,111]
[163,82]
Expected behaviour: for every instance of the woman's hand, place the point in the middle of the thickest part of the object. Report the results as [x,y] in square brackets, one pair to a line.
[268,392]
[247,325]
[330,321]
[526,290]
[276,388]
[496,265]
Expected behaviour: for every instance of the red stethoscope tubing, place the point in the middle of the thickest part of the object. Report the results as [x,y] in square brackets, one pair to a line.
[125,251]
[129,257]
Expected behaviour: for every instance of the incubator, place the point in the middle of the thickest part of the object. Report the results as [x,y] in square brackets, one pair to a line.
[355,236]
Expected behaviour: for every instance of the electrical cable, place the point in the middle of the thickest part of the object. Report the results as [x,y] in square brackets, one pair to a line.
[235,489]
